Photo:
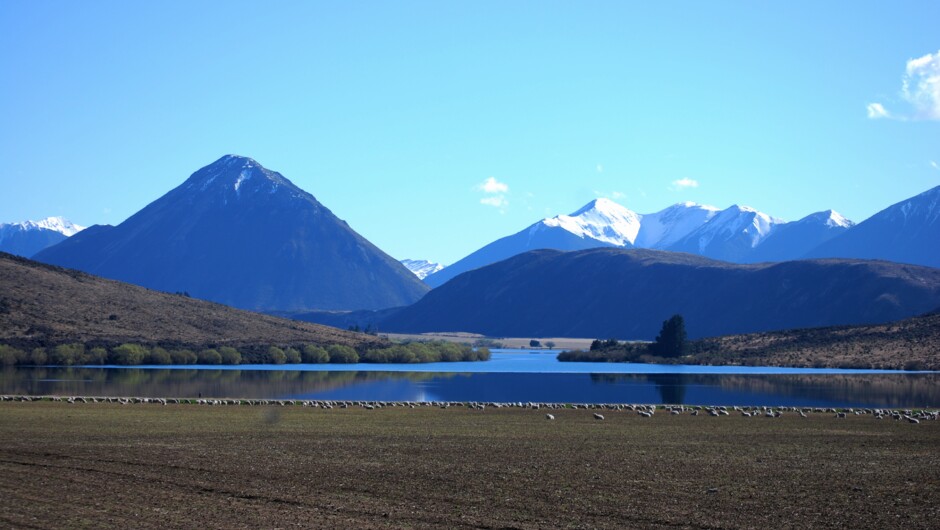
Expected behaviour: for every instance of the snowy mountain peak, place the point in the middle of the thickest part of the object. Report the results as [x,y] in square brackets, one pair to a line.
[29,237]
[601,219]
[737,221]
[232,176]
[55,224]
[422,267]
[665,227]
[829,218]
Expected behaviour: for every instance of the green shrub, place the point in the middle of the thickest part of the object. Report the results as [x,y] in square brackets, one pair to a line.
[37,357]
[342,354]
[159,356]
[230,355]
[67,354]
[210,356]
[292,355]
[127,354]
[10,355]
[96,355]
[275,355]
[183,357]
[315,355]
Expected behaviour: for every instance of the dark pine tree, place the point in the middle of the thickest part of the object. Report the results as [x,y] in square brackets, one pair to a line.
[671,341]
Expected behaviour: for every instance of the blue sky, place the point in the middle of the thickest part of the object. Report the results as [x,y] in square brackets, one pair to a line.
[396,115]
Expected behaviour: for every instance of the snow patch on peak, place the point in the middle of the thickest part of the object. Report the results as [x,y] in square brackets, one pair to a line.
[55,224]
[422,268]
[744,221]
[602,220]
[242,177]
[665,227]
[836,220]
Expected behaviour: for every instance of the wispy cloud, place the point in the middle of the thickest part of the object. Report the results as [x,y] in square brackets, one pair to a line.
[920,88]
[600,168]
[683,184]
[877,111]
[497,201]
[935,165]
[491,185]
[495,193]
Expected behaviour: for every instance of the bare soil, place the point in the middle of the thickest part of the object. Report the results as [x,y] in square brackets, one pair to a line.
[152,466]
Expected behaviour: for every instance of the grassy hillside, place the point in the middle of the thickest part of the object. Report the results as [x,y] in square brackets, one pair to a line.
[44,305]
[912,344]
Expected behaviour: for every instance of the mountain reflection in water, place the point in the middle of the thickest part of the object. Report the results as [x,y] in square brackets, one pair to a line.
[846,390]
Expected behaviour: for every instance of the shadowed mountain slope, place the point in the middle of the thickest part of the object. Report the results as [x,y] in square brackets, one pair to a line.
[239,234]
[628,293]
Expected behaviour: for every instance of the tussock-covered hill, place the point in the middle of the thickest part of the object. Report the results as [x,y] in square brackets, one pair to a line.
[45,305]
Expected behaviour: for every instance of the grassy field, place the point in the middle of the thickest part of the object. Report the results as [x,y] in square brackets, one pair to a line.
[149,466]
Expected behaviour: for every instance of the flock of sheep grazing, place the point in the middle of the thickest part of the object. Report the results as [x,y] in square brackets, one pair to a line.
[646,411]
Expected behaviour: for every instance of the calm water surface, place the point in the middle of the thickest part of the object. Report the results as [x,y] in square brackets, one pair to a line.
[509,376]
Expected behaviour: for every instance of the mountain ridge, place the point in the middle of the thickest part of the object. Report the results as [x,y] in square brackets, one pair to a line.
[608,292]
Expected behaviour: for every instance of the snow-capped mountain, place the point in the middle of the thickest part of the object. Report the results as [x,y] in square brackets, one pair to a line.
[602,220]
[422,267]
[906,232]
[737,234]
[600,223]
[666,227]
[793,240]
[729,235]
[239,234]
[29,237]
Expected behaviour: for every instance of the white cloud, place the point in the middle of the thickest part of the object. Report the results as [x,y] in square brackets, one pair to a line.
[497,201]
[935,165]
[684,183]
[600,168]
[495,193]
[920,87]
[877,111]
[491,185]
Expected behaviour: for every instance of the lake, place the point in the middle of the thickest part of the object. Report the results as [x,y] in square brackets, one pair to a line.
[511,376]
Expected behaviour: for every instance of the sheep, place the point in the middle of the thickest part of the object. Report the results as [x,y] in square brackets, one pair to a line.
[549,417]
[598,416]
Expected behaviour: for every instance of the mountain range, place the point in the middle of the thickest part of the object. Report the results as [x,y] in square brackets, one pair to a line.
[611,292]
[907,232]
[29,237]
[242,235]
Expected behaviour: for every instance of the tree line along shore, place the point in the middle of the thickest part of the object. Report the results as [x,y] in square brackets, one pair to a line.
[132,354]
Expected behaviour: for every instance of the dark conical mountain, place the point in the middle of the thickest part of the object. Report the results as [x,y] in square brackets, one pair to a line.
[245,236]
[906,232]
